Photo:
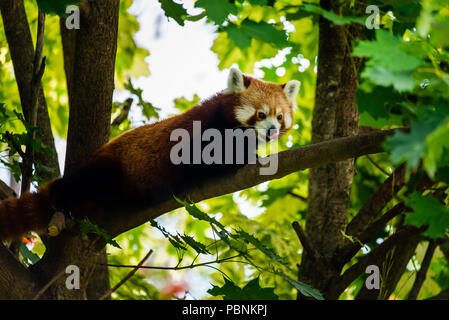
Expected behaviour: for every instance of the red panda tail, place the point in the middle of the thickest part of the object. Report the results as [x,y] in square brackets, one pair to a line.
[30,212]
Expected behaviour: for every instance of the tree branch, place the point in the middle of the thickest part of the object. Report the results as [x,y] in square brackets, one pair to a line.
[305,241]
[374,257]
[377,166]
[127,277]
[343,255]
[123,113]
[421,275]
[16,282]
[289,161]
[377,201]
[38,72]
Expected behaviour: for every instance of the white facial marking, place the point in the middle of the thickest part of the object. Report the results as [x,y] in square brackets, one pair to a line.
[266,109]
[243,113]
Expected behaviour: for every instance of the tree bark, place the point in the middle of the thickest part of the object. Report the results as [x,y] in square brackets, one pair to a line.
[335,115]
[289,161]
[91,84]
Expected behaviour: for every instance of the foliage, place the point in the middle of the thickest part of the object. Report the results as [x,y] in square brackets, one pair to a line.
[87,227]
[251,291]
[229,243]
[55,6]
[428,211]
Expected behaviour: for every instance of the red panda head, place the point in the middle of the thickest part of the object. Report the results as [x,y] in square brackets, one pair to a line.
[265,106]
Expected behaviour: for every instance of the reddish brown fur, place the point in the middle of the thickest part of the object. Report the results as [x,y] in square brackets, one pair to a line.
[132,170]
[32,212]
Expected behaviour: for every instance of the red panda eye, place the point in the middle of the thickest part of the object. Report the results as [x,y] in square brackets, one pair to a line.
[279,116]
[262,115]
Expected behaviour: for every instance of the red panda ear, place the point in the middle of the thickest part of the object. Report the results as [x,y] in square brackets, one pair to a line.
[237,81]
[291,88]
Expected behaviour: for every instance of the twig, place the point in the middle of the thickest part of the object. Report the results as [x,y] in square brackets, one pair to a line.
[346,252]
[177,267]
[44,288]
[124,113]
[38,72]
[421,275]
[127,277]
[377,201]
[297,196]
[305,241]
[376,165]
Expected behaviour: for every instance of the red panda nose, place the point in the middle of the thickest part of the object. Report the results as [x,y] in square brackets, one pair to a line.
[272,129]
[273,133]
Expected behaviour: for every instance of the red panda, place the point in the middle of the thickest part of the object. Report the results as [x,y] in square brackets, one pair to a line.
[134,170]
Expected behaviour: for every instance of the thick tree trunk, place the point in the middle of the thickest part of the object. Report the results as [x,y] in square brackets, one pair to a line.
[335,115]
[99,283]
[91,86]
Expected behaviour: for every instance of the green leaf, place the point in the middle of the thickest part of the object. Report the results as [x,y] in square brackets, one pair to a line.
[266,32]
[184,104]
[332,16]
[443,174]
[195,212]
[400,80]
[29,256]
[174,10]
[217,10]
[248,29]
[305,289]
[389,62]
[387,51]
[148,109]
[428,212]
[86,227]
[437,144]
[410,147]
[197,246]
[377,102]
[427,140]
[258,2]
[240,38]
[240,234]
[56,6]
[175,240]
[252,291]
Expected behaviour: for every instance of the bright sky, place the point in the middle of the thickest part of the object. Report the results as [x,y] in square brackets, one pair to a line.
[181,62]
